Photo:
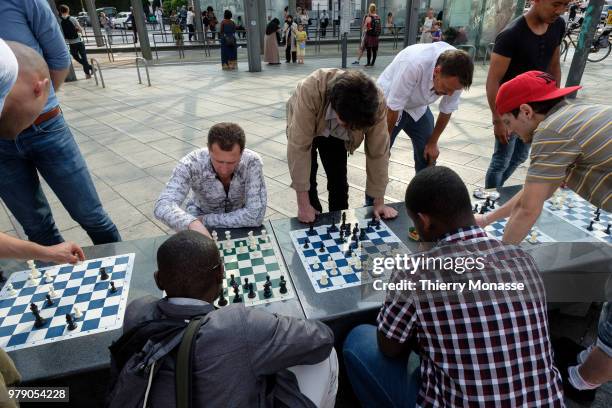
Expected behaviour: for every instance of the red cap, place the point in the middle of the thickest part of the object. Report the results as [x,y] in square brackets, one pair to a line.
[531,86]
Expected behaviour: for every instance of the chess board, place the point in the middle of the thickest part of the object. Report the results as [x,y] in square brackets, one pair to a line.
[496,229]
[74,285]
[572,208]
[253,264]
[380,242]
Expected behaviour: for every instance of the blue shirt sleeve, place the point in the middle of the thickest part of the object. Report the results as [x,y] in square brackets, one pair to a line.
[45,27]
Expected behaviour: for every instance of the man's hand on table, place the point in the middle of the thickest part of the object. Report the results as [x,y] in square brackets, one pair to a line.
[196,225]
[66,252]
[382,211]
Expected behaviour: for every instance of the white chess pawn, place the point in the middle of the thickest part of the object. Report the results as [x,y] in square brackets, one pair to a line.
[215,236]
[533,238]
[52,292]
[324,280]
[31,264]
[570,203]
[77,313]
[228,235]
[10,290]
[48,277]
[253,246]
[316,266]
[264,233]
[334,271]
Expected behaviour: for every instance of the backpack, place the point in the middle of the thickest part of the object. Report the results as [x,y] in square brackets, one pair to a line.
[69,29]
[139,353]
[375,26]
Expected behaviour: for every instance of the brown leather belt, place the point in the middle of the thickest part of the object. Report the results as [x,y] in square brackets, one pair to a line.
[48,115]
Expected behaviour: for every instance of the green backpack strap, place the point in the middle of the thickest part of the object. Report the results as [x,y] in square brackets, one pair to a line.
[183,364]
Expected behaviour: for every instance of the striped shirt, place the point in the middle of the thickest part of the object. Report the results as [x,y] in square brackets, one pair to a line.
[574,143]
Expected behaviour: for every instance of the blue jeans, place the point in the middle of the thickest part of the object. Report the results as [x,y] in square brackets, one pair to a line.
[419,133]
[379,381]
[51,150]
[506,158]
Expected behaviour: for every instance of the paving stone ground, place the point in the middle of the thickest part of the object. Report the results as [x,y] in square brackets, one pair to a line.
[132,135]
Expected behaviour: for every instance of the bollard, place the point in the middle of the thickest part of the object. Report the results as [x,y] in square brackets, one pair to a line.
[344,49]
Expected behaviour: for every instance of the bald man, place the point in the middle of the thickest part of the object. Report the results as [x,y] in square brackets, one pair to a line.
[25,87]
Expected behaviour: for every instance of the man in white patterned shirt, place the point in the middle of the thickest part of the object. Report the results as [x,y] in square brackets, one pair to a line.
[226,182]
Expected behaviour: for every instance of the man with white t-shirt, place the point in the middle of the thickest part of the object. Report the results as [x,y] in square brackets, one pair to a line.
[418,76]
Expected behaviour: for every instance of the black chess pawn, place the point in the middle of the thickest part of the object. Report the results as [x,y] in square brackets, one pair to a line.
[597,216]
[70,321]
[232,280]
[362,234]
[268,279]
[349,251]
[237,298]
[283,285]
[342,240]
[356,228]
[245,287]
[590,227]
[113,289]
[306,241]
[333,227]
[103,273]
[492,206]
[597,211]
[487,202]
[475,210]
[222,300]
[347,228]
[49,300]
[483,209]
[322,248]
[343,218]
[252,293]
[311,229]
[608,229]
[267,290]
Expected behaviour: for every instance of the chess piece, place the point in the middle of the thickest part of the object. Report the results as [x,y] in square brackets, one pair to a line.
[245,287]
[324,281]
[268,280]
[35,273]
[347,228]
[252,293]
[52,292]
[49,301]
[267,290]
[77,313]
[362,234]
[590,227]
[487,202]
[343,219]
[113,289]
[232,280]
[483,209]
[533,238]
[342,240]
[597,217]
[228,235]
[333,227]
[475,210]
[12,292]
[283,285]
[103,273]
[253,246]
[322,248]
[597,211]
[48,277]
[311,228]
[608,229]
[492,206]
[237,298]
[38,320]
[2,278]
[70,321]
[570,203]
[306,241]
[222,300]
[333,271]
[215,236]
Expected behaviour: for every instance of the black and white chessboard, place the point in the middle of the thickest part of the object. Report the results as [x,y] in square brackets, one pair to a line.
[572,208]
[343,268]
[78,286]
[496,229]
[253,260]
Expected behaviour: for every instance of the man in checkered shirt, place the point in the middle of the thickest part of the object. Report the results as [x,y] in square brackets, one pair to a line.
[476,348]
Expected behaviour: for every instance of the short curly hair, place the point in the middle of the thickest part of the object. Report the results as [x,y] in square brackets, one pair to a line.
[226,135]
[355,98]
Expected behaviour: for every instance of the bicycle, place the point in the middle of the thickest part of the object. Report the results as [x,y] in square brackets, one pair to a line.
[600,46]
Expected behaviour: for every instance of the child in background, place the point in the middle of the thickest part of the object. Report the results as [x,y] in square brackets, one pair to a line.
[436,31]
[300,38]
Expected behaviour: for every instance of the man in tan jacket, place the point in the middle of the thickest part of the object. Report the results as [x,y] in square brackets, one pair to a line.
[332,111]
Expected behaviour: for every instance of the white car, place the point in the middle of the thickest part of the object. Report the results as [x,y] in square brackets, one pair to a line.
[120,21]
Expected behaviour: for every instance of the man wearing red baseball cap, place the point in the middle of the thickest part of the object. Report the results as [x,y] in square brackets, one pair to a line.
[570,143]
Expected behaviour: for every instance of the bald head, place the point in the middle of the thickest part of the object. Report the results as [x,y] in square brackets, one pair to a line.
[28,96]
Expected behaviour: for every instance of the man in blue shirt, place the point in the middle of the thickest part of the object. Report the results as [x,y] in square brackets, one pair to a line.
[47,147]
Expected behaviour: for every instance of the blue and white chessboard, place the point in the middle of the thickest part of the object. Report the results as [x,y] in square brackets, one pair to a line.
[253,260]
[74,285]
[572,208]
[343,271]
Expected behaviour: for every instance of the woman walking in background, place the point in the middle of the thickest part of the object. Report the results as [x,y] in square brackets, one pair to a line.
[373,29]
[105,22]
[271,42]
[227,37]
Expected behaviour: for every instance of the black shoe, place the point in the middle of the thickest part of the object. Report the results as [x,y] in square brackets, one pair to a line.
[566,356]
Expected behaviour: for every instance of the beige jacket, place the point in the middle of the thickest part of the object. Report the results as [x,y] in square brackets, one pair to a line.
[306,120]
